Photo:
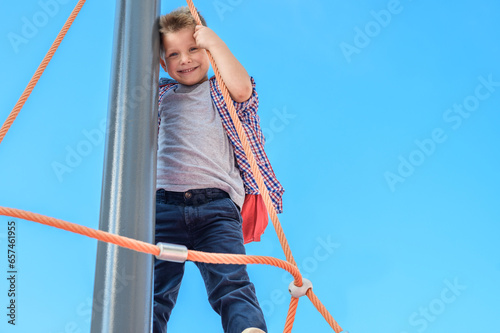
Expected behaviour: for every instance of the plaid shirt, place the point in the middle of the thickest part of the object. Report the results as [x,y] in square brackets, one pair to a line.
[247,112]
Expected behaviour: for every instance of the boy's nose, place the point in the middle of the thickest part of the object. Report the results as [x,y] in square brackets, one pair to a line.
[185,58]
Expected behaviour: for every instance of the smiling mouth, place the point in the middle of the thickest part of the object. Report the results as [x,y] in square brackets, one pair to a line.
[189,70]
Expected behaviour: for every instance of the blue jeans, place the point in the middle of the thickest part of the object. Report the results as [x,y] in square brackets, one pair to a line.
[204,220]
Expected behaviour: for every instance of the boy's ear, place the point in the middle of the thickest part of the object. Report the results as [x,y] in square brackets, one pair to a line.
[162,63]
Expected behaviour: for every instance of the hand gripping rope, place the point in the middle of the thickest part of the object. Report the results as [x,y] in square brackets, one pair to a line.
[299,287]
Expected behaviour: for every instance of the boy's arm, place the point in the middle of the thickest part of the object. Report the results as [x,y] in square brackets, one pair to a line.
[232,72]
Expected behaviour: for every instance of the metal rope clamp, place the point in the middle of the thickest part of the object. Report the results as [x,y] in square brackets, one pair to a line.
[172,252]
[300,291]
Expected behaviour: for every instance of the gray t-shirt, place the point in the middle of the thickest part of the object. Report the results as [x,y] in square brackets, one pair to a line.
[194,151]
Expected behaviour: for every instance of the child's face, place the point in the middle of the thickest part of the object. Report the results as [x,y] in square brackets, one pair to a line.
[184,61]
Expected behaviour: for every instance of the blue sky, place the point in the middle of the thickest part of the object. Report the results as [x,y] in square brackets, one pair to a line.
[381,120]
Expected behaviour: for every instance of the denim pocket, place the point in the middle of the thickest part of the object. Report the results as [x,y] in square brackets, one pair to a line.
[232,207]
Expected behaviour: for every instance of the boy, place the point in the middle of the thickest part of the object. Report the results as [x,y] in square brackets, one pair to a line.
[203,177]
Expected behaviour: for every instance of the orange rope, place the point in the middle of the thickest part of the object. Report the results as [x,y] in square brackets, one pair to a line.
[226,258]
[140,246]
[324,312]
[248,152]
[215,258]
[41,68]
[263,190]
[292,309]
[129,243]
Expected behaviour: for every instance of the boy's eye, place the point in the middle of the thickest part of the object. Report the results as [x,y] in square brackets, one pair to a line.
[193,49]
[173,54]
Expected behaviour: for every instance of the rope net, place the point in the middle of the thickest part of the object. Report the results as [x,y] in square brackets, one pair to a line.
[143,247]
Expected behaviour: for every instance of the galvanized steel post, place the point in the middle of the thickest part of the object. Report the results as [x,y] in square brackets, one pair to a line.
[123,279]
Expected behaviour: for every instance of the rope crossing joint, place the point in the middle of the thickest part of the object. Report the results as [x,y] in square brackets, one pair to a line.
[299,291]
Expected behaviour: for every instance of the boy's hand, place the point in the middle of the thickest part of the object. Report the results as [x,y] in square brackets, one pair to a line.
[232,72]
[205,37]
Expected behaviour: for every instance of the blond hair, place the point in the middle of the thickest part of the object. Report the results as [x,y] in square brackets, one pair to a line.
[177,20]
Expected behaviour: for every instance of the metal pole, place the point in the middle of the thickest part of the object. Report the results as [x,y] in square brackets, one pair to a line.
[123,278]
